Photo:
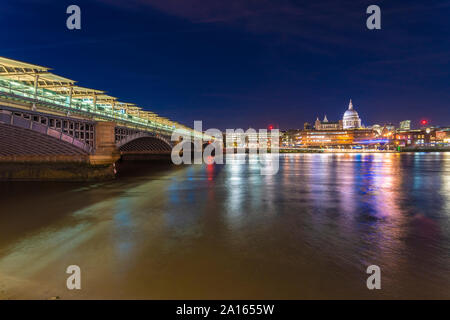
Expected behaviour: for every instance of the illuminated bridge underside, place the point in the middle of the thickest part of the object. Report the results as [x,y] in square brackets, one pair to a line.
[19,144]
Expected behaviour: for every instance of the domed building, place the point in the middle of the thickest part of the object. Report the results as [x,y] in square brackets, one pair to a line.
[351,118]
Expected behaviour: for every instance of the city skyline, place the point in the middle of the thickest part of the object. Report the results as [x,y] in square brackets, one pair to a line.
[364,123]
[280,65]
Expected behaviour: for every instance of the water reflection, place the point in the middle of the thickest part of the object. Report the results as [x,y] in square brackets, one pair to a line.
[226,231]
[123,229]
[445,177]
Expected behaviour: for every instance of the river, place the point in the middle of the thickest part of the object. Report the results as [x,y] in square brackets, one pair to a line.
[228,232]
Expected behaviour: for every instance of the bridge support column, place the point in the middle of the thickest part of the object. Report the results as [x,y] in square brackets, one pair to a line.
[105,144]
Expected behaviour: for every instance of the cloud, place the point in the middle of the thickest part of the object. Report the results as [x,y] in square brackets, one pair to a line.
[308,26]
[254,15]
[202,11]
[316,26]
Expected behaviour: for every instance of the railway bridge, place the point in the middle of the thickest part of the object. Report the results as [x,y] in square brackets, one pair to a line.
[48,118]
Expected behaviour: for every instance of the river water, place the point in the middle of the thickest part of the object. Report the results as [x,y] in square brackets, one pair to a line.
[226,231]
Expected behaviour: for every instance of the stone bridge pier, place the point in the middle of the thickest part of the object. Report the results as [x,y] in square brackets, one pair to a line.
[106,151]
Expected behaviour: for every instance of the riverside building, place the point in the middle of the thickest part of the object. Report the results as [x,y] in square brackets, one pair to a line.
[342,134]
[424,137]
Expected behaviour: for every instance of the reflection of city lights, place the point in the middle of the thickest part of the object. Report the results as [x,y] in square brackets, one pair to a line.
[209,160]
[210,171]
[445,190]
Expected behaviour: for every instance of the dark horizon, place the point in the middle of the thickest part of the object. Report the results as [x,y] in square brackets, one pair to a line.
[247,64]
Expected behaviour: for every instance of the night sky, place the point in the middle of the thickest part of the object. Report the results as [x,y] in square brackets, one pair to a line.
[241,63]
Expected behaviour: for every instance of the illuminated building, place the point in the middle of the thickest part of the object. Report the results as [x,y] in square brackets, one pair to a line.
[377,128]
[414,138]
[337,138]
[289,138]
[405,125]
[250,138]
[327,125]
[351,118]
[390,127]
[443,136]
[345,133]
[424,137]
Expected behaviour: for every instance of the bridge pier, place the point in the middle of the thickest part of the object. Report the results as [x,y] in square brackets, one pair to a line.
[106,151]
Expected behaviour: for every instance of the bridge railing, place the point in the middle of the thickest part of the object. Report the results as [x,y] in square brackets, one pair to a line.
[46,96]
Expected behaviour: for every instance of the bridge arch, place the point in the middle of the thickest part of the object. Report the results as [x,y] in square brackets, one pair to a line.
[143,142]
[141,134]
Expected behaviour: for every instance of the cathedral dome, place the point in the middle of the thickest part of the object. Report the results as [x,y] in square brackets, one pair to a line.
[351,118]
[350,114]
